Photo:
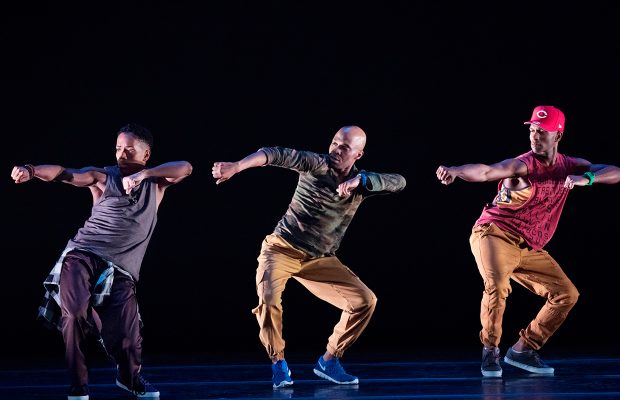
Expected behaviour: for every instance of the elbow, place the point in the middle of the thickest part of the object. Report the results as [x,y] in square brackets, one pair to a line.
[62,176]
[187,168]
[402,183]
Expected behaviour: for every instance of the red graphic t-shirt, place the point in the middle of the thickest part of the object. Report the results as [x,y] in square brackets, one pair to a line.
[536,219]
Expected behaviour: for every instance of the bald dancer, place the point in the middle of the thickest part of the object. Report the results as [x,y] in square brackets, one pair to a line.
[304,243]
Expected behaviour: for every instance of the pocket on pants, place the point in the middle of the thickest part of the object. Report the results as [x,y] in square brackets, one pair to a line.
[261,274]
[480,231]
[483,229]
[263,286]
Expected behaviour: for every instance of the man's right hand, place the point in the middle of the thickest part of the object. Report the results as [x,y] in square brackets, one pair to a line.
[445,175]
[223,171]
[21,174]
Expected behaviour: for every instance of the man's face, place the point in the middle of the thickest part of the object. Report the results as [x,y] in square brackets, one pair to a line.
[345,149]
[130,150]
[542,141]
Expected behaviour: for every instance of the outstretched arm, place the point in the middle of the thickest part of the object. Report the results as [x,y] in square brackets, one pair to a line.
[598,173]
[167,174]
[223,171]
[373,182]
[481,172]
[88,176]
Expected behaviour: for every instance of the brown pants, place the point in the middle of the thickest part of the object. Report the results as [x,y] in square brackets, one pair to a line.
[325,277]
[117,321]
[502,256]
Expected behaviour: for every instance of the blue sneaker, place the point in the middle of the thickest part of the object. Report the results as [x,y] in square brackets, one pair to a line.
[333,371]
[281,374]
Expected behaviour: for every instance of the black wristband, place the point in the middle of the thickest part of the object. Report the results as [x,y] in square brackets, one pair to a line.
[30,169]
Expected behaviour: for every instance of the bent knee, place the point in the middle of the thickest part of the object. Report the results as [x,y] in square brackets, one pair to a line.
[371,301]
[366,301]
[569,297]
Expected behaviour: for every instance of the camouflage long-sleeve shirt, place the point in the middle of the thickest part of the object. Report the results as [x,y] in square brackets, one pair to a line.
[317,217]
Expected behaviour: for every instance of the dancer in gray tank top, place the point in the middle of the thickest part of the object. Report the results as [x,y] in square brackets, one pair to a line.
[91,289]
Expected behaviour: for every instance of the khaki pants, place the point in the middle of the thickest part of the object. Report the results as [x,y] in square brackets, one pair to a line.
[502,256]
[325,277]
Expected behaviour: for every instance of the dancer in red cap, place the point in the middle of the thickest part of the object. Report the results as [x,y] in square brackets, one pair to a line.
[508,238]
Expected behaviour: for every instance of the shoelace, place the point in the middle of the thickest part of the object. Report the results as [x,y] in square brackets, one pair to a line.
[539,362]
[334,367]
[491,357]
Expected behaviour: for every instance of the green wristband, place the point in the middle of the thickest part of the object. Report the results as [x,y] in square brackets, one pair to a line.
[590,177]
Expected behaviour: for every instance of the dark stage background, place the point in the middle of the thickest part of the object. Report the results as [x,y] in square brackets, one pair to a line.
[431,83]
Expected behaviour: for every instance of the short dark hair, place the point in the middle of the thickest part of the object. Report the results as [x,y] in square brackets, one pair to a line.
[138,131]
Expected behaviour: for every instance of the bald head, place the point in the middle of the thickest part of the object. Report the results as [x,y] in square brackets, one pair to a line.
[354,135]
[347,147]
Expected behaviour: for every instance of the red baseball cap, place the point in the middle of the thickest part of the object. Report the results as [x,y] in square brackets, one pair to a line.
[547,117]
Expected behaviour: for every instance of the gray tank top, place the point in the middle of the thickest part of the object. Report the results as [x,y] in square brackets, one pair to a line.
[121,225]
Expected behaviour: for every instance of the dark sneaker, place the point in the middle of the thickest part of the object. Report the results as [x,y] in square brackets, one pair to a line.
[333,371]
[490,362]
[140,388]
[78,392]
[281,374]
[528,360]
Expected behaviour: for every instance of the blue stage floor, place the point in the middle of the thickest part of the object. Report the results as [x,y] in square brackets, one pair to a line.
[575,378]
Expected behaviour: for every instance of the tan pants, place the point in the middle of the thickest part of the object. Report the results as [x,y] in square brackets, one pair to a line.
[502,256]
[325,277]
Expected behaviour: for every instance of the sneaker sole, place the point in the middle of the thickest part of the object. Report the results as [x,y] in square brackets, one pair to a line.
[529,368]
[329,378]
[85,397]
[140,396]
[491,374]
[282,384]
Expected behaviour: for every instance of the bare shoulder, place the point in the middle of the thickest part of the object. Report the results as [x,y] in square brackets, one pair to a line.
[516,166]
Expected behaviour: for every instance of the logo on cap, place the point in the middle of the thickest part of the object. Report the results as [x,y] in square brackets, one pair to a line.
[548,118]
